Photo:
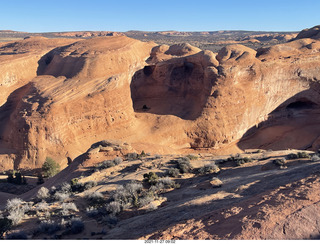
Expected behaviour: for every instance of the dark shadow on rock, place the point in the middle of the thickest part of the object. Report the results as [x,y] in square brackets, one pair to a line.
[298,111]
[56,65]
[171,88]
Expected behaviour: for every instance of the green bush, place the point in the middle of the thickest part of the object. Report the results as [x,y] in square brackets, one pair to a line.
[16,178]
[279,162]
[50,168]
[151,178]
[303,155]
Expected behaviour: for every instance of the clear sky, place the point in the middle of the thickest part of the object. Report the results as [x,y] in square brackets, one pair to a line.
[157,15]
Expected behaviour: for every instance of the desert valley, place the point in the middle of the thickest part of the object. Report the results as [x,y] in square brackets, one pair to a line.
[160,135]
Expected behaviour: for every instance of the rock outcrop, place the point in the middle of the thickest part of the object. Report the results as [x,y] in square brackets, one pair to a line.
[313,33]
[70,94]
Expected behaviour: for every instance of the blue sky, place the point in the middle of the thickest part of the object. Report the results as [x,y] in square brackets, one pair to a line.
[151,15]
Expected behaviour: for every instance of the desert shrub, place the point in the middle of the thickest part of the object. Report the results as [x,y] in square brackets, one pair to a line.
[152,207]
[66,207]
[114,208]
[65,188]
[53,190]
[117,160]
[43,193]
[90,184]
[95,198]
[16,178]
[279,162]
[240,161]
[14,203]
[292,156]
[173,172]
[315,158]
[145,200]
[16,215]
[184,165]
[50,168]
[80,187]
[92,212]
[61,196]
[132,156]
[151,178]
[209,169]
[74,181]
[17,235]
[192,157]
[48,227]
[106,164]
[5,225]
[167,183]
[76,226]
[128,194]
[42,206]
[303,155]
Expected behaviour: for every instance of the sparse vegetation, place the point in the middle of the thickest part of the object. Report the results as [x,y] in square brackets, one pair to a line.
[151,178]
[183,164]
[279,162]
[315,158]
[114,208]
[61,196]
[173,172]
[48,227]
[95,198]
[238,160]
[303,155]
[50,168]
[43,193]
[16,178]
[292,156]
[67,207]
[209,169]
[42,206]
[192,157]
[77,186]
[127,195]
[92,212]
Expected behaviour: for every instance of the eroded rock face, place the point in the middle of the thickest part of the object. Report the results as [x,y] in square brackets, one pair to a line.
[81,93]
[158,98]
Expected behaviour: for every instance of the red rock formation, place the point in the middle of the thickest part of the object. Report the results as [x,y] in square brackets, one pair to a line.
[182,97]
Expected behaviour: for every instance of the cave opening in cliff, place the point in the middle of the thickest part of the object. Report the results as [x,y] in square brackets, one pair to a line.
[178,89]
[301,104]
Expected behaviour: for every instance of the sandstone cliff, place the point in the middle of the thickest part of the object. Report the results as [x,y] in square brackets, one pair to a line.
[67,94]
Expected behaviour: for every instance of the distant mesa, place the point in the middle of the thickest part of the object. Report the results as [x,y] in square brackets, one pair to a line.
[84,34]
